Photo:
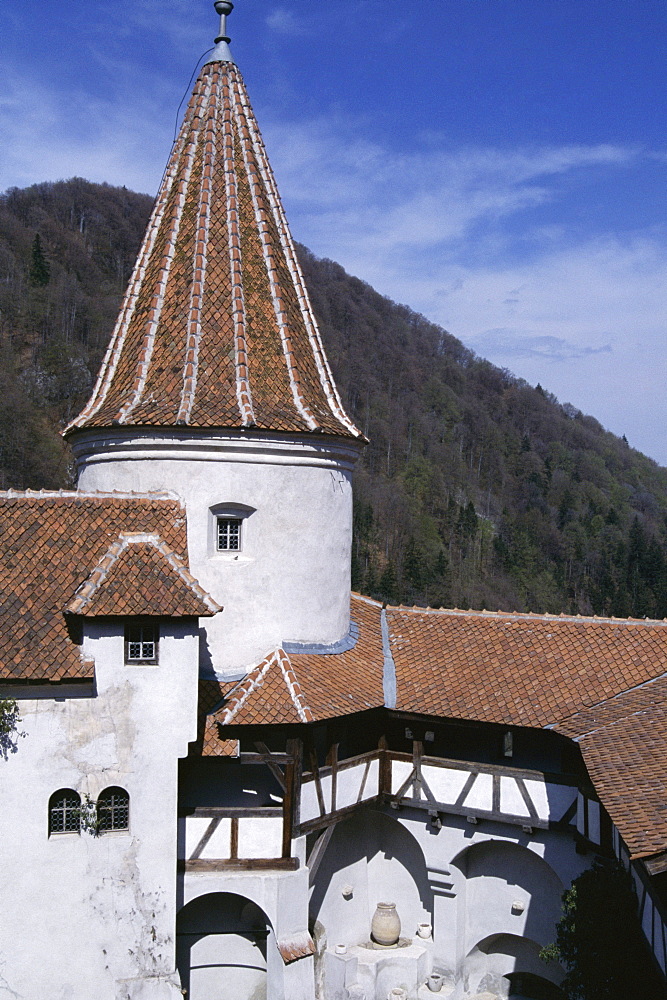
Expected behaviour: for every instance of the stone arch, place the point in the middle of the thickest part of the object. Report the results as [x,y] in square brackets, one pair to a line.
[510,965]
[506,888]
[379,860]
[225,946]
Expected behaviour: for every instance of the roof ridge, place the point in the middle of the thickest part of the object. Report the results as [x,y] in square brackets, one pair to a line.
[526,616]
[606,701]
[92,495]
[293,686]
[97,577]
[245,687]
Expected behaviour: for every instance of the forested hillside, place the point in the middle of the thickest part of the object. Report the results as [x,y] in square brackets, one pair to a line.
[476,490]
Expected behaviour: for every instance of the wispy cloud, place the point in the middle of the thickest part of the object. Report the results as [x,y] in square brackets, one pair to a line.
[512,344]
[102,140]
[285,22]
[474,238]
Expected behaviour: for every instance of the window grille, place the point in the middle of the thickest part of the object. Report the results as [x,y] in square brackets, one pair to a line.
[65,812]
[229,534]
[141,643]
[113,810]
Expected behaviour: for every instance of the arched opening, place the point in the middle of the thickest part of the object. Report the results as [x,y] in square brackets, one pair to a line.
[113,810]
[506,965]
[64,811]
[221,948]
[370,858]
[507,889]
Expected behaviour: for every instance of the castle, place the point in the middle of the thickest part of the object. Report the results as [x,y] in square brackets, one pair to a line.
[226,761]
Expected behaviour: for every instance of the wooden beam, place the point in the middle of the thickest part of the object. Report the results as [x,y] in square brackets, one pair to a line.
[288,809]
[239,865]
[384,778]
[208,833]
[262,758]
[332,761]
[470,781]
[459,810]
[495,804]
[321,822]
[315,771]
[297,748]
[272,764]
[317,853]
[223,812]
[417,753]
[502,769]
[234,839]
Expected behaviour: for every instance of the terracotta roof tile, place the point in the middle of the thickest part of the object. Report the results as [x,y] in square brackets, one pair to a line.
[526,670]
[216,329]
[140,575]
[304,687]
[624,745]
[49,543]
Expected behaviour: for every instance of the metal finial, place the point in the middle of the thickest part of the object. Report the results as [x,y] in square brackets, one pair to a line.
[223,7]
[221,52]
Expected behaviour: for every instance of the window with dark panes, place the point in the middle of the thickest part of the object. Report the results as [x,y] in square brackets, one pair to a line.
[141,643]
[229,534]
[113,810]
[65,811]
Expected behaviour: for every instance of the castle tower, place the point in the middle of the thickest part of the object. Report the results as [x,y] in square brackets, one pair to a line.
[215,385]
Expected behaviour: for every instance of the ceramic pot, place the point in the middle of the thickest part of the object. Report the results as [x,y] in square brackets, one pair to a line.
[434,982]
[397,994]
[386,926]
[424,931]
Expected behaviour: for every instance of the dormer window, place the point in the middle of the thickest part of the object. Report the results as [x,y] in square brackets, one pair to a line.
[141,642]
[229,534]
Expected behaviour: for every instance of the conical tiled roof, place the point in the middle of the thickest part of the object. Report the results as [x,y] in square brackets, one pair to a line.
[216,329]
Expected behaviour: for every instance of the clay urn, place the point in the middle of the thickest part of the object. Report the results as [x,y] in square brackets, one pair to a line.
[386,925]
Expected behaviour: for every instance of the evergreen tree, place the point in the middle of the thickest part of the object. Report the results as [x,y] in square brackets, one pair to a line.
[599,939]
[388,583]
[40,272]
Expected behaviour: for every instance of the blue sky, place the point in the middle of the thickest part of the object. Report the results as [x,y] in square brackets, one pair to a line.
[499,165]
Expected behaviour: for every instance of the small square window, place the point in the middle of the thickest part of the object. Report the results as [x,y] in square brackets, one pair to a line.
[141,643]
[228,534]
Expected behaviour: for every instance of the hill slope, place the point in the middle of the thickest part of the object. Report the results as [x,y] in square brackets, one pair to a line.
[476,489]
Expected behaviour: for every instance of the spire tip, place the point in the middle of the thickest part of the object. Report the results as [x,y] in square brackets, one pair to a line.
[221,52]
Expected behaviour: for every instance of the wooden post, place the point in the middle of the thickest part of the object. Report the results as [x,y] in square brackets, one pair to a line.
[288,808]
[292,794]
[332,761]
[384,777]
[417,753]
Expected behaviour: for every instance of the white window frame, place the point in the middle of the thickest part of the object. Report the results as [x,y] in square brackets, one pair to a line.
[240,513]
[232,533]
[141,660]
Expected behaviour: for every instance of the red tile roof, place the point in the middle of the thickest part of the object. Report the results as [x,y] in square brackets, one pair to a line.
[49,543]
[624,745]
[593,680]
[216,329]
[524,670]
[140,575]
[306,687]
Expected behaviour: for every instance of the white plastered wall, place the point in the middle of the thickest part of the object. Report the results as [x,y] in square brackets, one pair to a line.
[436,876]
[94,916]
[291,581]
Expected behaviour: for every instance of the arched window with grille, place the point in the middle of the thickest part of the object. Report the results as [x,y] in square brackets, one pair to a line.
[65,811]
[113,810]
